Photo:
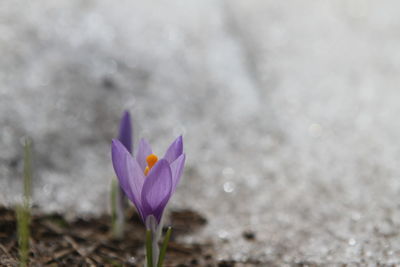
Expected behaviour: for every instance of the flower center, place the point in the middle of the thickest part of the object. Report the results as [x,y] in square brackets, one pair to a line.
[151,160]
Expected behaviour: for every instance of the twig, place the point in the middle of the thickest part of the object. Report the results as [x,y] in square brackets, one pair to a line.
[81,252]
[6,252]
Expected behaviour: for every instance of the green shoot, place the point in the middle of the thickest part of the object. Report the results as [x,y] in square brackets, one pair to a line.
[117,210]
[27,173]
[149,248]
[23,211]
[23,220]
[164,247]
[114,207]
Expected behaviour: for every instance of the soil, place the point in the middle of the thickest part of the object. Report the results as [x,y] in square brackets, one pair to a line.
[88,242]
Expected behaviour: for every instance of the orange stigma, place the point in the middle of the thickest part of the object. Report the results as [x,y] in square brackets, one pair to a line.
[151,160]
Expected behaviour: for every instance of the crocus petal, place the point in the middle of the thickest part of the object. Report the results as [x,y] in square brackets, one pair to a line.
[129,173]
[118,154]
[174,150]
[143,151]
[125,131]
[177,170]
[157,190]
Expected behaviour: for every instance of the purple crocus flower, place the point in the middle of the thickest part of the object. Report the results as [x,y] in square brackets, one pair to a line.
[125,131]
[125,137]
[148,182]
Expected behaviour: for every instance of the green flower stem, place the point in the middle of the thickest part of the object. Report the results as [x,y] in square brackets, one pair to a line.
[149,248]
[164,247]
[117,210]
[23,221]
[121,206]
[114,207]
[27,173]
[23,211]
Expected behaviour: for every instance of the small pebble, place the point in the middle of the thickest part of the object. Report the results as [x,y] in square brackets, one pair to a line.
[249,235]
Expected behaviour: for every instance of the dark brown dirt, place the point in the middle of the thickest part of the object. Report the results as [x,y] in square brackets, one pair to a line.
[88,242]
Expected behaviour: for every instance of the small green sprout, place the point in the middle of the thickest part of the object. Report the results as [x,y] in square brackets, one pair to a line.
[23,210]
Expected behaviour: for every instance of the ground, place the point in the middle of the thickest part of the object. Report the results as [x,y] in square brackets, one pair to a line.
[89,242]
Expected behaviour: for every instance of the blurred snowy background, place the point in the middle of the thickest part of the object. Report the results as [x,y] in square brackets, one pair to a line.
[288,110]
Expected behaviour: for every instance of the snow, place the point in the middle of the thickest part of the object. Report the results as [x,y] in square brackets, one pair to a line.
[288,110]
